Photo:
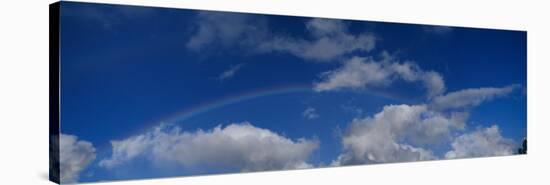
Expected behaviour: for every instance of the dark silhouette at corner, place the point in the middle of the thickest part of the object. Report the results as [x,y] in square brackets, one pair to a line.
[523,149]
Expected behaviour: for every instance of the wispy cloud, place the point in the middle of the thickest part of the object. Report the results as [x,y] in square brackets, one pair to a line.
[227,30]
[470,97]
[329,39]
[229,73]
[310,113]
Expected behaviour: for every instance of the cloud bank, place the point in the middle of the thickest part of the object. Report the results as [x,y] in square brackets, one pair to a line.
[237,146]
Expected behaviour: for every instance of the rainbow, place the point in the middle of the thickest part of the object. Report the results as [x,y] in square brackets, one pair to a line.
[189,112]
[223,101]
[233,99]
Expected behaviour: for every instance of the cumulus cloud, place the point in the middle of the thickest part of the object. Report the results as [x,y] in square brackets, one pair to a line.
[310,113]
[75,155]
[237,146]
[470,97]
[230,72]
[328,39]
[396,134]
[481,143]
[406,132]
[360,73]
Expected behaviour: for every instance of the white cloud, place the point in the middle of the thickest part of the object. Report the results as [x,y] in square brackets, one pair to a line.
[403,132]
[355,74]
[434,83]
[230,72]
[360,73]
[75,155]
[396,134]
[236,146]
[329,39]
[470,97]
[310,113]
[481,143]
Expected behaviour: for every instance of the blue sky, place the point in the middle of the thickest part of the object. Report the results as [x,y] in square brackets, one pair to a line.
[313,86]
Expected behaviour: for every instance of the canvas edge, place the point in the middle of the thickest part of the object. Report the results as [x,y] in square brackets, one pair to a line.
[54,90]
